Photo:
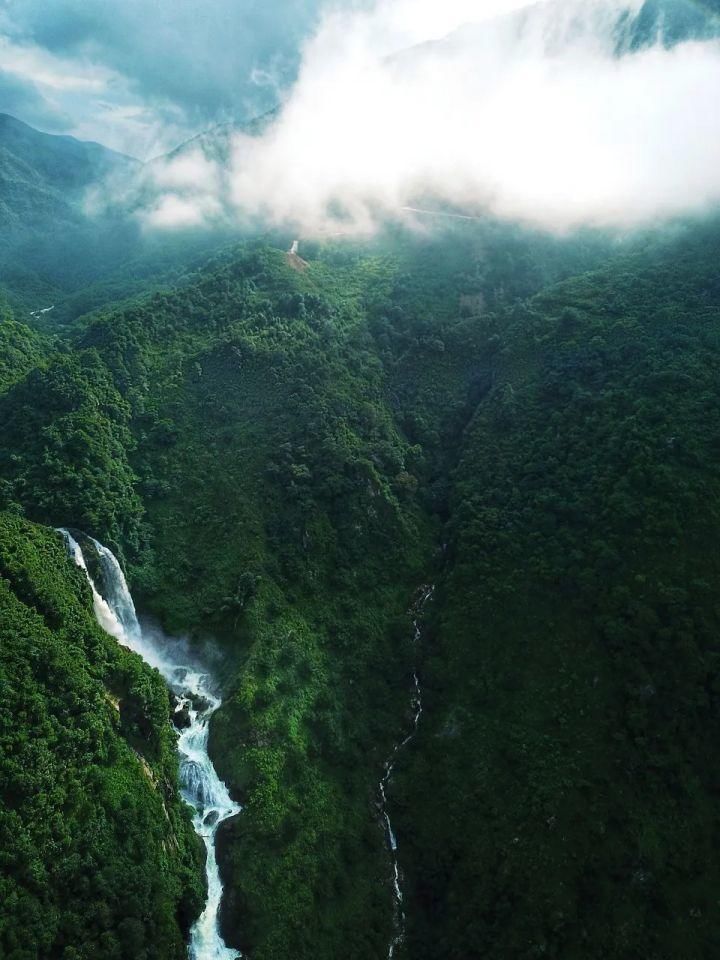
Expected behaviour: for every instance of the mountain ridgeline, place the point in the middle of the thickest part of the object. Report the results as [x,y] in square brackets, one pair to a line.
[71,239]
[77,218]
[284,452]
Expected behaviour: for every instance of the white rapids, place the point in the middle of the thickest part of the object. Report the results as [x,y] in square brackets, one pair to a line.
[201,787]
[390,837]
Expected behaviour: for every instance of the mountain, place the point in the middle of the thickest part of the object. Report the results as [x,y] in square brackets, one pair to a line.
[283,458]
[215,143]
[43,177]
[669,21]
[236,440]
[48,243]
[98,853]
[435,518]
[61,163]
[571,677]
[70,237]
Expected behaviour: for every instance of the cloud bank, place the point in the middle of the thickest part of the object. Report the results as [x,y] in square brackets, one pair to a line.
[560,114]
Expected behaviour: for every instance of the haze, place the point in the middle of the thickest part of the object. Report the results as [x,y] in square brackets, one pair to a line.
[463,106]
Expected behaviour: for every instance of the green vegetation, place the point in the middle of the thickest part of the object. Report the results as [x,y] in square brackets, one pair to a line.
[274,480]
[64,449]
[282,456]
[21,348]
[561,802]
[97,851]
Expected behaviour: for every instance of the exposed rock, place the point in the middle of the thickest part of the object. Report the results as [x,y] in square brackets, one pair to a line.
[181,718]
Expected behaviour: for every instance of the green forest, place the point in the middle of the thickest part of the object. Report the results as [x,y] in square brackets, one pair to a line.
[282,454]
[98,854]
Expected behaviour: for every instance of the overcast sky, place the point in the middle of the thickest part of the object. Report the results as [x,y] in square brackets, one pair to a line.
[141,75]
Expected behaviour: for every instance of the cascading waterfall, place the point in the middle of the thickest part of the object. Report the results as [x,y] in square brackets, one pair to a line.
[201,787]
[391,839]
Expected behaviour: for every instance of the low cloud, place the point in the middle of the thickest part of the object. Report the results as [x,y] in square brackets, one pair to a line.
[557,115]
[189,192]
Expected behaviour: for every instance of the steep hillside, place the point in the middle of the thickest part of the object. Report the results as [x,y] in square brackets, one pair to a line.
[284,457]
[62,164]
[98,854]
[63,245]
[43,177]
[281,519]
[263,475]
[279,497]
[561,801]
[21,348]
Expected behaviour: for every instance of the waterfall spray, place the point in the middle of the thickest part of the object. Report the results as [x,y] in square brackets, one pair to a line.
[201,787]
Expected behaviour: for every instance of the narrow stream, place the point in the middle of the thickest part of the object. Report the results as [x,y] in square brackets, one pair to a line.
[201,787]
[390,837]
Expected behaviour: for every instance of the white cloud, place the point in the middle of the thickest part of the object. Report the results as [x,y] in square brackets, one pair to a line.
[56,74]
[172,212]
[532,118]
[186,192]
[187,171]
[99,100]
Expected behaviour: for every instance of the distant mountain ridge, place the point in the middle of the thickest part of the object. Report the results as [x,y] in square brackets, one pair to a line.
[215,143]
[66,221]
[51,246]
[43,176]
[63,161]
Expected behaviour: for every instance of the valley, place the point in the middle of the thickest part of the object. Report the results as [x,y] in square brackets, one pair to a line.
[302,450]
[360,485]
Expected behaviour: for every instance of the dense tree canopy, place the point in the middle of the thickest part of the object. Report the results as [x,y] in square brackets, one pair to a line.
[97,851]
[283,456]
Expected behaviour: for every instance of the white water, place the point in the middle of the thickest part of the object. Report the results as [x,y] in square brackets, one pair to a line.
[417,707]
[201,787]
[39,313]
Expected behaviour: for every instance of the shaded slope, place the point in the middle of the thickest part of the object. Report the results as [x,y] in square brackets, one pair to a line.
[561,801]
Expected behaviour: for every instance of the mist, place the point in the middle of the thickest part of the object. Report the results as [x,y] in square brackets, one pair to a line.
[540,115]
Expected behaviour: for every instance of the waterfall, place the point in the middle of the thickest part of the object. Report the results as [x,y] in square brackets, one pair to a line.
[390,837]
[201,787]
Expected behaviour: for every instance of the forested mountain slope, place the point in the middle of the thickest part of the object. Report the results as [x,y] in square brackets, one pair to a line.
[64,163]
[44,229]
[70,237]
[97,853]
[280,516]
[283,456]
[562,801]
[252,445]
[42,176]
